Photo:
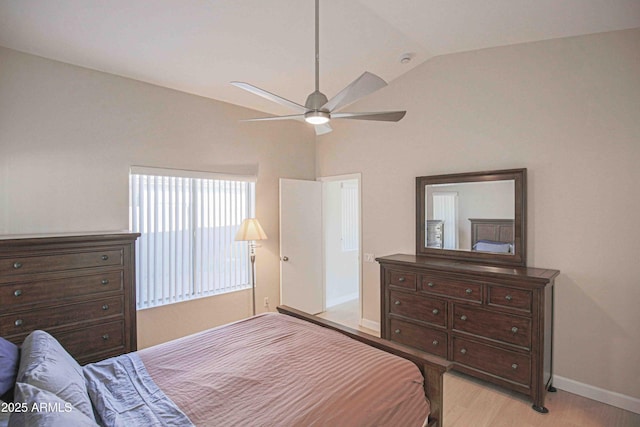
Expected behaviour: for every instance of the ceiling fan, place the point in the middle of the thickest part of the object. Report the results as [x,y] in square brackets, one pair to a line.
[318,110]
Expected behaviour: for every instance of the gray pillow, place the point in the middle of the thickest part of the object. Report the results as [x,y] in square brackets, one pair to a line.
[42,408]
[45,364]
[9,358]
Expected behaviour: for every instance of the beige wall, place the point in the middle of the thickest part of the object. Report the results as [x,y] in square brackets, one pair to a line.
[569,111]
[68,136]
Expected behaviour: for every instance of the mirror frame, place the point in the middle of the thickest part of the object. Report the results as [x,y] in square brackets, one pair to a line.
[520,220]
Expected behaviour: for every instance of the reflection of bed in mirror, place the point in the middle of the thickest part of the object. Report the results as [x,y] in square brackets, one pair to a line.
[492,235]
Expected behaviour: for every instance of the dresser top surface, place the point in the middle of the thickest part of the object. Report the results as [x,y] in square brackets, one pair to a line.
[65,234]
[483,269]
[22,240]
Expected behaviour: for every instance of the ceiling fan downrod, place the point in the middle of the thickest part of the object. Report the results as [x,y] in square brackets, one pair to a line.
[317,99]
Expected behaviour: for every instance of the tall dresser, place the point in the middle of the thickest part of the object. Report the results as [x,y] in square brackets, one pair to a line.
[80,289]
[493,322]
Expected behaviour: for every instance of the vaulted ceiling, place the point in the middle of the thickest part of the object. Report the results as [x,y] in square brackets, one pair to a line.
[199,46]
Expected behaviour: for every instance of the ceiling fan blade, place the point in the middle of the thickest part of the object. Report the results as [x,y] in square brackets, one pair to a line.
[362,86]
[268,95]
[385,116]
[322,129]
[264,119]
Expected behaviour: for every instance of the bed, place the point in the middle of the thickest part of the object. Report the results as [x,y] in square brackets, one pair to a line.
[492,235]
[276,369]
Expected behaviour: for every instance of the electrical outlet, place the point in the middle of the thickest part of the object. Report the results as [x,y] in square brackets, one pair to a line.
[369,258]
[266,301]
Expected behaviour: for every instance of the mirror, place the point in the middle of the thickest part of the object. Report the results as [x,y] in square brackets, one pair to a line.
[473,216]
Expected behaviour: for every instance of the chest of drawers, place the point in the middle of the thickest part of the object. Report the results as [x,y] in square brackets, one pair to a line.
[494,323]
[80,289]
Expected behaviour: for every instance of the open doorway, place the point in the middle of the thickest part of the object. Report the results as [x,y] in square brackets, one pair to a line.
[341,212]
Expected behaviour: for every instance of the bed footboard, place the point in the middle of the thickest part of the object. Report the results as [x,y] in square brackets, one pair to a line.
[431,367]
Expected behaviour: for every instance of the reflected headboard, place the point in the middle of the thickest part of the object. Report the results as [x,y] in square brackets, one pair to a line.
[492,235]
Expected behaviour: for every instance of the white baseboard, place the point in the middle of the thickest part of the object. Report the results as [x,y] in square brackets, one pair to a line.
[341,300]
[370,324]
[599,394]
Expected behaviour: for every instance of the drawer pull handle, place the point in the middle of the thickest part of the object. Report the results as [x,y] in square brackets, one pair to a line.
[401,279]
[17,292]
[105,257]
[397,302]
[105,307]
[435,342]
[435,311]
[430,284]
[17,265]
[18,322]
[104,281]
[468,291]
[397,331]
[463,351]
[514,366]
[105,337]
[508,297]
[514,330]
[463,317]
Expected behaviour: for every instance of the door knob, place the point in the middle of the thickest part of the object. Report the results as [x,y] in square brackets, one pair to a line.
[285,258]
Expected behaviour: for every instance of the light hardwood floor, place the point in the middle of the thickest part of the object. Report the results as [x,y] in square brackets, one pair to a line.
[472,403]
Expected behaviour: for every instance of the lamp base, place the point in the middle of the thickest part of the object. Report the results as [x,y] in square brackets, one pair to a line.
[253,278]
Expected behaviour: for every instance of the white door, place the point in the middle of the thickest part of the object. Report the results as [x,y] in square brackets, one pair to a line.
[301,245]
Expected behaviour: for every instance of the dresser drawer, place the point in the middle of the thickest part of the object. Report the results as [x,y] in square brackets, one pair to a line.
[516,299]
[417,307]
[51,317]
[53,289]
[451,288]
[504,363]
[504,327]
[59,262]
[94,339]
[402,279]
[425,339]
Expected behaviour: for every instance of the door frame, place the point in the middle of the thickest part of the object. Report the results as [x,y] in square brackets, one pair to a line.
[332,178]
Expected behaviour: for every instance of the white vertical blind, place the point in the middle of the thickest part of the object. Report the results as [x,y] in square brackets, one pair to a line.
[445,208]
[349,220]
[186,249]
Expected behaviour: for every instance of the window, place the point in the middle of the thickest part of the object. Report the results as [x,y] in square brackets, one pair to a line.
[187,222]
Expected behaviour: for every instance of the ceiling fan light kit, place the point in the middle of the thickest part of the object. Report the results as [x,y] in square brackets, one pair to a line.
[317,117]
[318,110]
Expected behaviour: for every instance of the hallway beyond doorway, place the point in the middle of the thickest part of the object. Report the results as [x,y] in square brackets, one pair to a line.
[347,314]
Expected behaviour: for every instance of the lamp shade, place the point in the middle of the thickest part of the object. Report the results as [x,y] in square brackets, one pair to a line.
[250,229]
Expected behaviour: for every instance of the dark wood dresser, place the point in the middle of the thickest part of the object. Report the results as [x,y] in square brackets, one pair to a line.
[493,322]
[80,289]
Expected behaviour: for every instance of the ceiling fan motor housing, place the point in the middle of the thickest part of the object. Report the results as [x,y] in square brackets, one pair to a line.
[316,100]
